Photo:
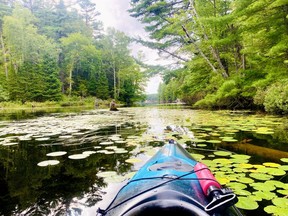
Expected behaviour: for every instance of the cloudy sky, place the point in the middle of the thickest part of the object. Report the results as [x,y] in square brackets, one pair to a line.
[114,14]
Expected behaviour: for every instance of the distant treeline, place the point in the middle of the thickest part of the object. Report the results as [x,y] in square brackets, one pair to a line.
[234,53]
[50,50]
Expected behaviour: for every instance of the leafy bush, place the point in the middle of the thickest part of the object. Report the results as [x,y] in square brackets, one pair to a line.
[224,97]
[276,98]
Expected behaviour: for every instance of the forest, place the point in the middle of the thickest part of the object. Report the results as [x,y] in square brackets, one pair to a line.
[233,53]
[229,54]
[51,50]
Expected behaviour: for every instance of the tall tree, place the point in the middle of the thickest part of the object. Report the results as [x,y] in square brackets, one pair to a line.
[89,13]
[77,50]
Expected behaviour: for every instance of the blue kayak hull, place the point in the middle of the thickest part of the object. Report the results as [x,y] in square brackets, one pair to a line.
[165,185]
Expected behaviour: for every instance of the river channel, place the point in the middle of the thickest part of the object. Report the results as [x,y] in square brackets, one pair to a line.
[70,162]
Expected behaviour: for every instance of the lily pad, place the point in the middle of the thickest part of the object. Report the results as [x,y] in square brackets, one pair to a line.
[48,163]
[240,156]
[237,185]
[133,160]
[247,203]
[270,164]
[261,176]
[222,153]
[42,139]
[276,183]
[78,156]
[56,154]
[88,152]
[267,195]
[263,186]
[222,161]
[201,145]
[106,143]
[242,192]
[284,192]
[283,167]
[245,180]
[198,140]
[282,202]
[213,141]
[244,165]
[276,210]
[198,157]
[285,160]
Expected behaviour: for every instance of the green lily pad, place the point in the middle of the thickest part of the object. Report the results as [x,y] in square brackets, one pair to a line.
[282,202]
[276,183]
[260,176]
[197,157]
[242,192]
[48,163]
[244,165]
[239,156]
[222,153]
[272,171]
[201,145]
[240,170]
[229,140]
[238,160]
[237,185]
[213,141]
[263,186]
[246,203]
[283,167]
[285,160]
[222,161]
[56,154]
[276,210]
[222,180]
[270,164]
[267,195]
[245,180]
[284,192]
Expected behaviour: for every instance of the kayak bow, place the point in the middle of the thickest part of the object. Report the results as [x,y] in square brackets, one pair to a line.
[170,183]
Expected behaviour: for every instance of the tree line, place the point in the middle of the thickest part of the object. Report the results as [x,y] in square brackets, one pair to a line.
[51,50]
[233,53]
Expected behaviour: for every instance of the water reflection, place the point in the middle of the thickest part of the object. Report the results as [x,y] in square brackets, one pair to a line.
[72,186]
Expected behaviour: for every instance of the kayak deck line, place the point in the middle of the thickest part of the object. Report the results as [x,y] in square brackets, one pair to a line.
[172,181]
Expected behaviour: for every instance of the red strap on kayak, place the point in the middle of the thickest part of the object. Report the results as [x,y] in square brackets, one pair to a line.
[205,177]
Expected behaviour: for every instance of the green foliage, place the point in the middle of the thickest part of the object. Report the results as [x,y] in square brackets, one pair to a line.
[276,98]
[237,49]
[50,50]
[3,94]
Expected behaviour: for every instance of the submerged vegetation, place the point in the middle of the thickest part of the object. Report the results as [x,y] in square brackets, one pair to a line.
[233,53]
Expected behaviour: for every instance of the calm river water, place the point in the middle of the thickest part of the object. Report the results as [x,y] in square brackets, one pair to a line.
[89,153]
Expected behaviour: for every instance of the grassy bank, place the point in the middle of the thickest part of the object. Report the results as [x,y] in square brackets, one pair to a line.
[66,102]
